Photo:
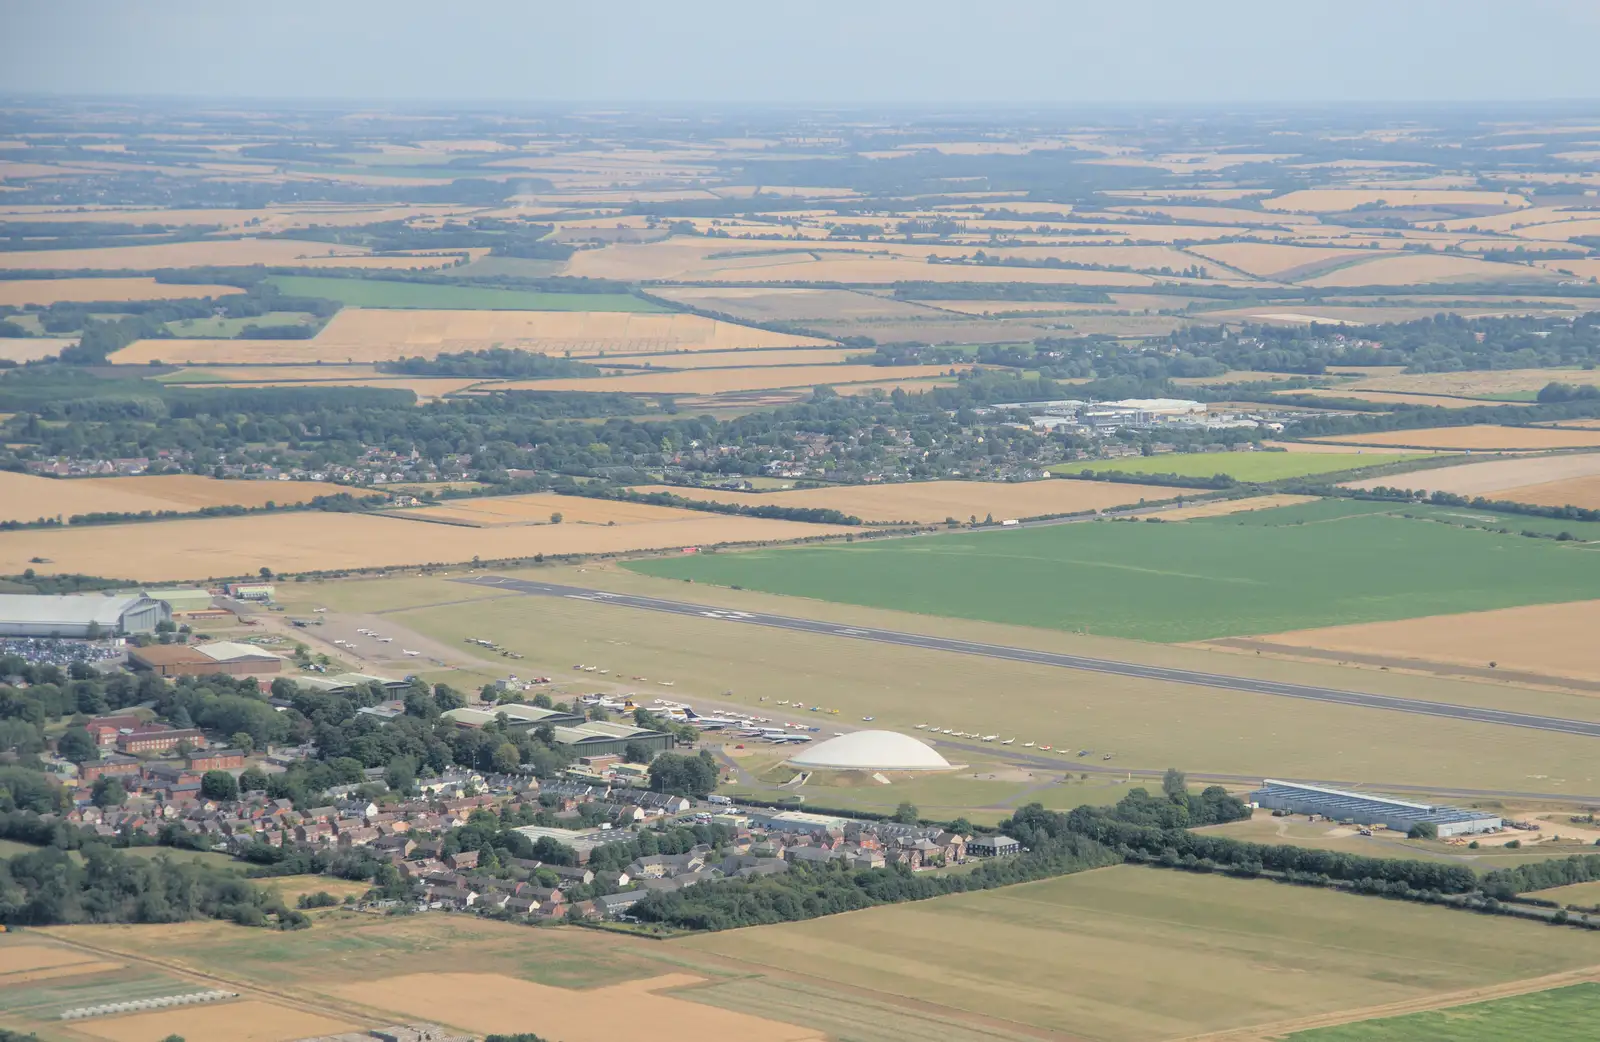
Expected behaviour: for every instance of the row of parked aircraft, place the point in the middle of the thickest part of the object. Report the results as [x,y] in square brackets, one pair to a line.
[936,729]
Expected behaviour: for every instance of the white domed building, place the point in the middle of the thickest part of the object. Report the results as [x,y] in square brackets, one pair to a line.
[871,751]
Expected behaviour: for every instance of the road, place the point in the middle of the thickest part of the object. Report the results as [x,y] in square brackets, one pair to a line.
[1282,689]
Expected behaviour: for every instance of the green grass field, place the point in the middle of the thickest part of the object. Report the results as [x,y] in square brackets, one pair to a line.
[1243,466]
[1318,564]
[381,293]
[1129,953]
[229,327]
[1569,1014]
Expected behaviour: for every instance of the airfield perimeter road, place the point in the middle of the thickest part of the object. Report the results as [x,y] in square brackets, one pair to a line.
[1047,658]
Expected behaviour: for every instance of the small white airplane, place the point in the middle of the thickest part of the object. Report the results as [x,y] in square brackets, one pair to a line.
[320,611]
[922,727]
[412,654]
[990,737]
[385,640]
[1008,741]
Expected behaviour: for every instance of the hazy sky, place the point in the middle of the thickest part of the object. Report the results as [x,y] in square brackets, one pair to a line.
[831,51]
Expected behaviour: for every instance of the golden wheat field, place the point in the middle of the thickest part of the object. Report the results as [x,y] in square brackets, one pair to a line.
[225,252]
[425,388]
[212,548]
[28,497]
[490,1003]
[1551,639]
[1222,508]
[29,349]
[1477,384]
[1475,438]
[1408,269]
[538,509]
[717,381]
[19,292]
[1562,230]
[1334,200]
[750,358]
[365,335]
[1276,260]
[248,1020]
[1576,492]
[246,374]
[930,502]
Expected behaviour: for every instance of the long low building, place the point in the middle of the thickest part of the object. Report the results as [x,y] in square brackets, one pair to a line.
[583,737]
[1361,808]
[80,616]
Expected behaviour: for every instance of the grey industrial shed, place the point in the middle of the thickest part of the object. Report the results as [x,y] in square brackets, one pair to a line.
[43,615]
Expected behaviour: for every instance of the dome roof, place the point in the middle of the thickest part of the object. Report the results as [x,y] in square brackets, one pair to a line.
[872,751]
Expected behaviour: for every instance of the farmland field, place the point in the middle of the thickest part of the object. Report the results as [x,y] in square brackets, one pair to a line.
[498,511]
[715,381]
[240,1021]
[316,541]
[26,497]
[29,349]
[1559,1015]
[1243,466]
[1412,268]
[180,255]
[1480,437]
[747,358]
[1319,564]
[364,335]
[1123,954]
[1553,477]
[1544,639]
[380,293]
[930,502]
[17,292]
[1488,385]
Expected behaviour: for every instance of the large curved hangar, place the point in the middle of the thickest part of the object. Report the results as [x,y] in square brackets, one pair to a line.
[872,751]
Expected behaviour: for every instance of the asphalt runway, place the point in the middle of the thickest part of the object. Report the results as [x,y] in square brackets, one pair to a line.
[1280,689]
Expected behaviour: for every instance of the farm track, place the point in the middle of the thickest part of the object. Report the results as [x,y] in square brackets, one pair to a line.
[1337,696]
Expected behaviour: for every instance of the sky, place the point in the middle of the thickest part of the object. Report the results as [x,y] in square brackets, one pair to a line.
[911,52]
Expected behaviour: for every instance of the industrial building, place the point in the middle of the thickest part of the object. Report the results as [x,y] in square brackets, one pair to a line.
[583,737]
[1360,808]
[80,616]
[193,660]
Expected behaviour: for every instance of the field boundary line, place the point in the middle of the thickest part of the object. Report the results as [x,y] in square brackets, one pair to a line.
[1448,1000]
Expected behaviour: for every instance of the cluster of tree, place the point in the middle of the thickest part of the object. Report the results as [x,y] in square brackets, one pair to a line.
[813,515]
[1561,392]
[807,892]
[504,237]
[1505,883]
[695,776]
[26,235]
[496,362]
[51,887]
[64,582]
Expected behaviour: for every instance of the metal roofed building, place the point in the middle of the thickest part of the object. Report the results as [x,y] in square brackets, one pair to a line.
[598,737]
[1369,809]
[44,615]
[516,713]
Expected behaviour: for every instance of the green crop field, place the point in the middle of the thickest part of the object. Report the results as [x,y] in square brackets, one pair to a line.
[1243,466]
[384,293]
[1131,953]
[1318,564]
[1567,1014]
